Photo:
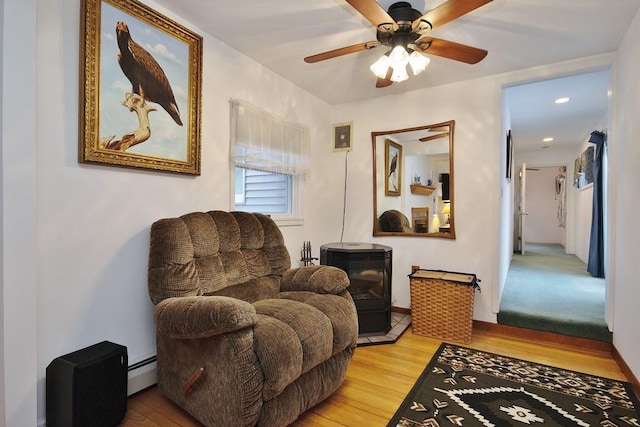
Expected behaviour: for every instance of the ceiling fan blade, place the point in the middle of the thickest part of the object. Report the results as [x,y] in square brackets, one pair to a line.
[451,50]
[386,81]
[342,51]
[438,129]
[374,13]
[448,11]
[431,137]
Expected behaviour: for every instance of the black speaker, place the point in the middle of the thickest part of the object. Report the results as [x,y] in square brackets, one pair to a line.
[88,388]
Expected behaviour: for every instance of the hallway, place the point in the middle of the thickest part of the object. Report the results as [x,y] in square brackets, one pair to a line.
[549,290]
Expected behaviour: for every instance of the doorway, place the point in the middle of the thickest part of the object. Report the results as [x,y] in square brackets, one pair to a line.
[547,139]
[540,206]
[547,288]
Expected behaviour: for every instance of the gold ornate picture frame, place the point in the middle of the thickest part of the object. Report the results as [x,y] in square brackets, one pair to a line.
[140,89]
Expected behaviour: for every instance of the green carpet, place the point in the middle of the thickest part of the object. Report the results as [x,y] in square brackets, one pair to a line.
[551,291]
[465,387]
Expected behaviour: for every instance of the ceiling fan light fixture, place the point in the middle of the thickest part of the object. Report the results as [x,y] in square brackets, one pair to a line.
[380,67]
[418,62]
[399,74]
[402,28]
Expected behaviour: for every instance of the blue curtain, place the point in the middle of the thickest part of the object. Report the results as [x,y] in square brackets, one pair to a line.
[595,266]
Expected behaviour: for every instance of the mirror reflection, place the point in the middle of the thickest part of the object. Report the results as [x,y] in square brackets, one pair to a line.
[413,181]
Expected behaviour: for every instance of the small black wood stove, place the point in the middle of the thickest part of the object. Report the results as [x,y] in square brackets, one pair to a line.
[368,266]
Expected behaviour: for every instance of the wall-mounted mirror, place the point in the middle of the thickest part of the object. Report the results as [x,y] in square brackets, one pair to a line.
[413,181]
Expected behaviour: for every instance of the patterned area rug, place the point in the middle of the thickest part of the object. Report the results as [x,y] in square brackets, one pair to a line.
[465,387]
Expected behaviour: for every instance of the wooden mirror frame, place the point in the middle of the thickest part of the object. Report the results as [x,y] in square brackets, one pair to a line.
[380,184]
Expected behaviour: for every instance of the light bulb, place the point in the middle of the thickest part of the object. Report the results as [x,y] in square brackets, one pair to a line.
[418,62]
[399,74]
[398,57]
[380,67]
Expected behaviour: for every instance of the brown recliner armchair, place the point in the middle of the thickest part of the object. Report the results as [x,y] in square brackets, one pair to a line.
[243,339]
[394,220]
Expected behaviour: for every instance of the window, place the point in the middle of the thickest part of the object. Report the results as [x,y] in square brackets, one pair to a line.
[270,157]
[266,192]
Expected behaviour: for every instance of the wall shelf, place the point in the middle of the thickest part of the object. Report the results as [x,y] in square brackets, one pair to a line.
[421,189]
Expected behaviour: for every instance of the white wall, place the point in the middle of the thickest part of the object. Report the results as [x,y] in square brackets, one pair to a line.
[19,222]
[623,226]
[583,215]
[473,106]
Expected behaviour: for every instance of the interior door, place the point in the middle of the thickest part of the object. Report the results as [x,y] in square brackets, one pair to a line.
[522,212]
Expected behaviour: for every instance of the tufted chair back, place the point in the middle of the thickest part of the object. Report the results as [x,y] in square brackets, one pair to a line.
[394,220]
[236,254]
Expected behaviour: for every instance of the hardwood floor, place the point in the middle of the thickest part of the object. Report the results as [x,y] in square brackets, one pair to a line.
[379,377]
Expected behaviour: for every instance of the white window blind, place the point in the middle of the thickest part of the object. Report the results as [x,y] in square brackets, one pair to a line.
[262,141]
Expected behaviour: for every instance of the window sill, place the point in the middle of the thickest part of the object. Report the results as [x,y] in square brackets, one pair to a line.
[287,222]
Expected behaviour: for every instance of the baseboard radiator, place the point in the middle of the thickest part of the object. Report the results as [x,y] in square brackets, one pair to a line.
[141,375]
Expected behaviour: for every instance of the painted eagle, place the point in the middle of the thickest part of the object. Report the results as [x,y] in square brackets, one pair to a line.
[144,73]
[394,164]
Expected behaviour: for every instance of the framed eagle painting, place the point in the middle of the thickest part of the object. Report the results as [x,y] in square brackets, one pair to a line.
[141,85]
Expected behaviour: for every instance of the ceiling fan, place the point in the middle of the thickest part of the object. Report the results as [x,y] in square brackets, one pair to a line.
[405,27]
[438,132]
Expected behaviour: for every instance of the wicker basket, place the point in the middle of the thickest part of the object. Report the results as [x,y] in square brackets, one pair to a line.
[442,304]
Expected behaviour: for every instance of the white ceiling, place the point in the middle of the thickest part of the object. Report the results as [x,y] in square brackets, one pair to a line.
[517,33]
[535,116]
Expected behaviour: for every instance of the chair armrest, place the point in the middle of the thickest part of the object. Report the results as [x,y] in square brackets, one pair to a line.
[202,316]
[323,279]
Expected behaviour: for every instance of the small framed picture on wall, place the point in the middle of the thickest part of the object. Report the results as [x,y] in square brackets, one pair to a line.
[342,136]
[509,155]
[393,168]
